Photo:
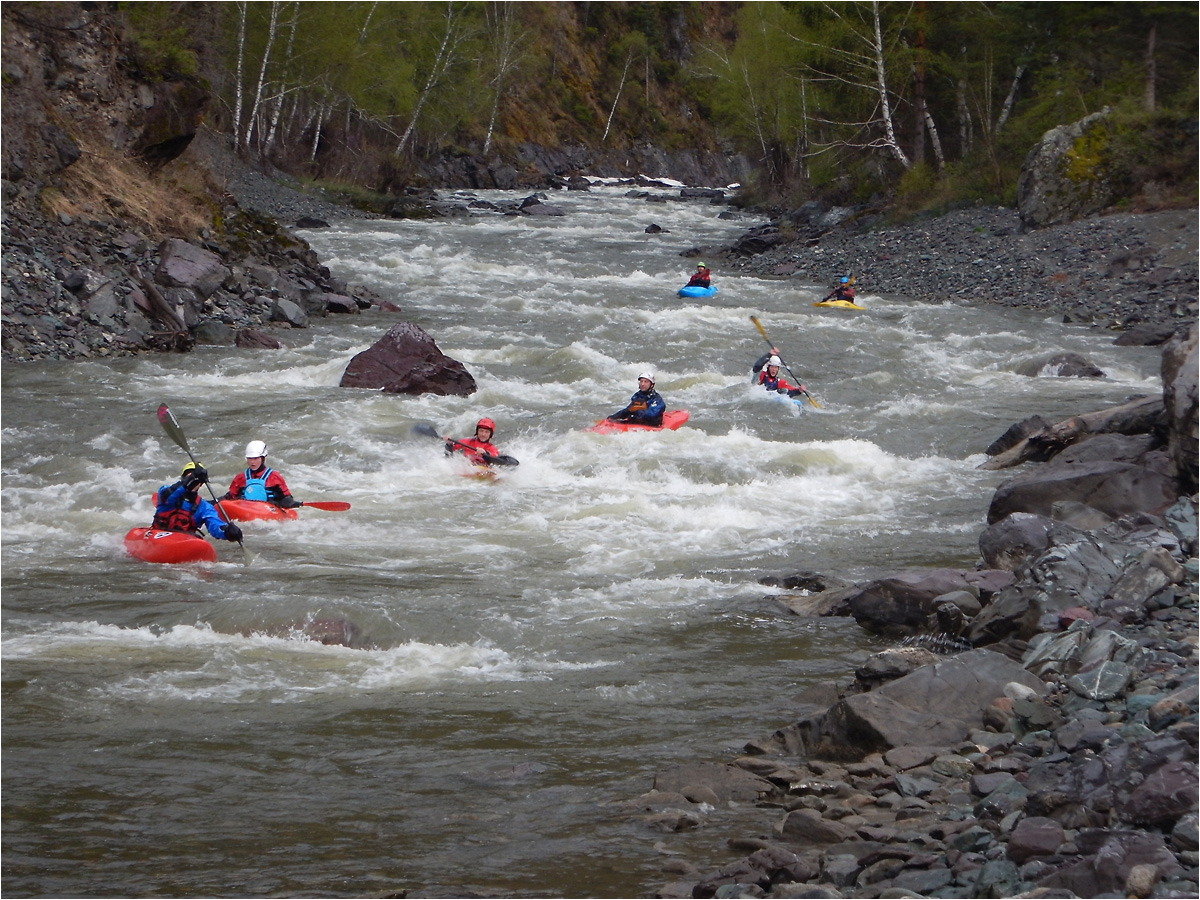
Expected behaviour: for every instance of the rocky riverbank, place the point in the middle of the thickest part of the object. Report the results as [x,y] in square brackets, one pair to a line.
[1117,271]
[1037,736]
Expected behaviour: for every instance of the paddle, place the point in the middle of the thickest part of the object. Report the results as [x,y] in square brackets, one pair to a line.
[427,430]
[167,420]
[803,390]
[330,505]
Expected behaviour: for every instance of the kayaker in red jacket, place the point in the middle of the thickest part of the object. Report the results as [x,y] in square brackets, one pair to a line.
[479,450]
[258,482]
[179,507]
[767,367]
[702,278]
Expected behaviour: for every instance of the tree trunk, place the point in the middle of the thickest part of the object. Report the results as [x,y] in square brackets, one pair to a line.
[1148,99]
[931,127]
[885,103]
[1010,99]
[252,118]
[269,143]
[964,119]
[237,87]
[444,56]
[620,87]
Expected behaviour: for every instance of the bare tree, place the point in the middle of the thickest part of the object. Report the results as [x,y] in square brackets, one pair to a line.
[272,31]
[506,46]
[865,66]
[620,87]
[453,35]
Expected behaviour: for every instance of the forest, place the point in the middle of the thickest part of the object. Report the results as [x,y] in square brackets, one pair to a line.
[927,105]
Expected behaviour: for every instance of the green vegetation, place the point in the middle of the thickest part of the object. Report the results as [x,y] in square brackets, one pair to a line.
[919,105]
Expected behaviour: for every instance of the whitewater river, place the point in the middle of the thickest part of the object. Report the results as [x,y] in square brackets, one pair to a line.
[536,648]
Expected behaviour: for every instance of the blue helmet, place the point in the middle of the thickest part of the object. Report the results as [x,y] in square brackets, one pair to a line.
[845,281]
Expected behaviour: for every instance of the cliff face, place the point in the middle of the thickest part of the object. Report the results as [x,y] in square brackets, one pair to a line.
[102,198]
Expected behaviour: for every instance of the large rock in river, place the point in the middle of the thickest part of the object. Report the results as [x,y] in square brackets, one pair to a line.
[407,361]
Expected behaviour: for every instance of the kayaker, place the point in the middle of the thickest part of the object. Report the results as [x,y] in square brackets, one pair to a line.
[645,407]
[479,450]
[257,482]
[844,291]
[702,277]
[767,367]
[179,507]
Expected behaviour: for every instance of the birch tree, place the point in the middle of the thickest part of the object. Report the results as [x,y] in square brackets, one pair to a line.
[453,34]
[505,40]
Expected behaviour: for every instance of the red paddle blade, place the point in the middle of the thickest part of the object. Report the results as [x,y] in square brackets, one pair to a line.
[330,505]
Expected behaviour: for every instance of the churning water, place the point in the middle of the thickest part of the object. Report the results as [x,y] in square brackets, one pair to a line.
[533,649]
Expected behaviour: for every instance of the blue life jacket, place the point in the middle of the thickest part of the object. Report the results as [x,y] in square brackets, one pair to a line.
[256,488]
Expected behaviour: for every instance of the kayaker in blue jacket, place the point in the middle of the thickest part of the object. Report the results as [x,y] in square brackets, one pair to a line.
[179,507]
[645,407]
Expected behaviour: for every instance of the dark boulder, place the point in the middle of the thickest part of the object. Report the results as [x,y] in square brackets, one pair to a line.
[253,339]
[903,604]
[407,361]
[1180,394]
[1114,488]
[1059,365]
[173,111]
[938,704]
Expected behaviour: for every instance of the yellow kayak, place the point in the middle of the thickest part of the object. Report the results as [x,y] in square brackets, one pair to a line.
[840,304]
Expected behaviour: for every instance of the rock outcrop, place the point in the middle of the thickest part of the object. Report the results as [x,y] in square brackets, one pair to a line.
[1066,175]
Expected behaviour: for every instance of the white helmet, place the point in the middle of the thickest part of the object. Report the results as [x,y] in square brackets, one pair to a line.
[649,376]
[775,361]
[255,448]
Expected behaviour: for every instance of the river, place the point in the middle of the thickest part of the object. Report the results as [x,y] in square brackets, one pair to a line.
[535,648]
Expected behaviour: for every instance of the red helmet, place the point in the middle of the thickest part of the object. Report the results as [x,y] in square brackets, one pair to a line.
[487,423]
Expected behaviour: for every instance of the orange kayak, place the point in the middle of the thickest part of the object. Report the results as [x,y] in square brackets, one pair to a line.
[152,545]
[249,510]
[671,420]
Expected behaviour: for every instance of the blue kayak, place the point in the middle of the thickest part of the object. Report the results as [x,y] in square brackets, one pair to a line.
[690,291]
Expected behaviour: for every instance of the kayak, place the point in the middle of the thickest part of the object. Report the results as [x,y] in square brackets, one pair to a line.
[840,304]
[249,510]
[152,545]
[671,420]
[697,291]
[480,473]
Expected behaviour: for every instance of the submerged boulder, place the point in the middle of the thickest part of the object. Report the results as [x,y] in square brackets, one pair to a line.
[407,361]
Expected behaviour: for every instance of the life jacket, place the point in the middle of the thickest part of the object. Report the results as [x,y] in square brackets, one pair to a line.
[771,384]
[256,488]
[179,516]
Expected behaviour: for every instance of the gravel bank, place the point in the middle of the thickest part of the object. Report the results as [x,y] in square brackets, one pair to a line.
[1114,271]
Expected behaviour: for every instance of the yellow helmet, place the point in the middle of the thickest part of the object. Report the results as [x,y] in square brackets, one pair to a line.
[189,467]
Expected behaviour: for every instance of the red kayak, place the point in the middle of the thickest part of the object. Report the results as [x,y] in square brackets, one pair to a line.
[152,545]
[249,510]
[671,420]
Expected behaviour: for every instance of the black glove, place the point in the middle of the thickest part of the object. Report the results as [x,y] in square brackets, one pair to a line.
[287,501]
[194,478]
[487,458]
[233,534]
[449,447]
[781,390]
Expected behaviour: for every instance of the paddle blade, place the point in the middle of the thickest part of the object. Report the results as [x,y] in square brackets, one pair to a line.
[809,398]
[426,430]
[761,330]
[505,461]
[167,420]
[329,505]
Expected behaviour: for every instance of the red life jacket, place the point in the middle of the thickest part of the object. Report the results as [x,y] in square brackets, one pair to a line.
[178,517]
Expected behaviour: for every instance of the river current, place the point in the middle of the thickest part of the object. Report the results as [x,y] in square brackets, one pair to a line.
[535,648]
